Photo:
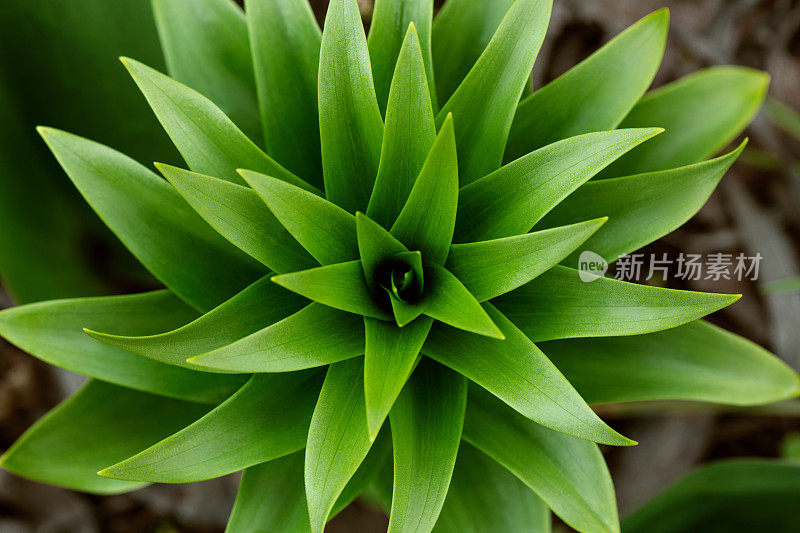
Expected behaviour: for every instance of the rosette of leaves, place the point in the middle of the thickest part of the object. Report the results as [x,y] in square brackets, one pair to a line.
[370,289]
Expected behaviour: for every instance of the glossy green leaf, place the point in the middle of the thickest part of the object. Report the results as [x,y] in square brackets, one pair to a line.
[410,128]
[390,356]
[268,418]
[640,208]
[261,304]
[460,33]
[239,215]
[285,40]
[559,305]
[701,113]
[734,495]
[206,47]
[191,259]
[428,218]
[484,497]
[375,246]
[569,474]
[518,373]
[206,138]
[784,116]
[351,127]
[315,336]
[99,424]
[491,268]
[596,94]
[324,229]
[53,332]
[513,199]
[695,362]
[341,286]
[338,440]
[484,104]
[426,432]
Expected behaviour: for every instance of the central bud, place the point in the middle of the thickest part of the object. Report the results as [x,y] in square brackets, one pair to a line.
[402,277]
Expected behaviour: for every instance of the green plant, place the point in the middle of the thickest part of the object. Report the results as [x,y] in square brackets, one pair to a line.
[294,322]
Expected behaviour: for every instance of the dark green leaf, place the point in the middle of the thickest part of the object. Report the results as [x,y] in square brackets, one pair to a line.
[268,418]
[448,301]
[98,425]
[375,245]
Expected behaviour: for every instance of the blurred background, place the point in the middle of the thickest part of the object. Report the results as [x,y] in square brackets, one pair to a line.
[45,227]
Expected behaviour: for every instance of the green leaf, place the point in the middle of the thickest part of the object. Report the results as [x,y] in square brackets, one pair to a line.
[596,94]
[640,208]
[461,31]
[484,497]
[518,373]
[513,199]
[485,103]
[191,259]
[569,474]
[733,495]
[206,47]
[426,431]
[491,268]
[784,116]
[315,336]
[207,139]
[268,418]
[237,318]
[560,305]
[695,362]
[782,286]
[239,215]
[448,301]
[410,127]
[390,356]
[428,218]
[351,127]
[53,332]
[375,245]
[702,113]
[324,229]
[285,39]
[390,21]
[379,455]
[338,440]
[99,424]
[341,286]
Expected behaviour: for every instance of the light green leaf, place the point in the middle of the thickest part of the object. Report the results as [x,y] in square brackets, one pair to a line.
[324,229]
[485,103]
[518,373]
[513,199]
[784,116]
[390,356]
[428,218]
[485,497]
[640,208]
[315,336]
[461,31]
[99,424]
[491,268]
[375,245]
[390,21]
[596,94]
[559,305]
[261,304]
[207,139]
[338,440]
[351,127]
[702,113]
[285,39]
[53,332]
[190,258]
[239,215]
[268,418]
[569,474]
[695,362]
[410,128]
[426,431]
[733,495]
[206,47]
